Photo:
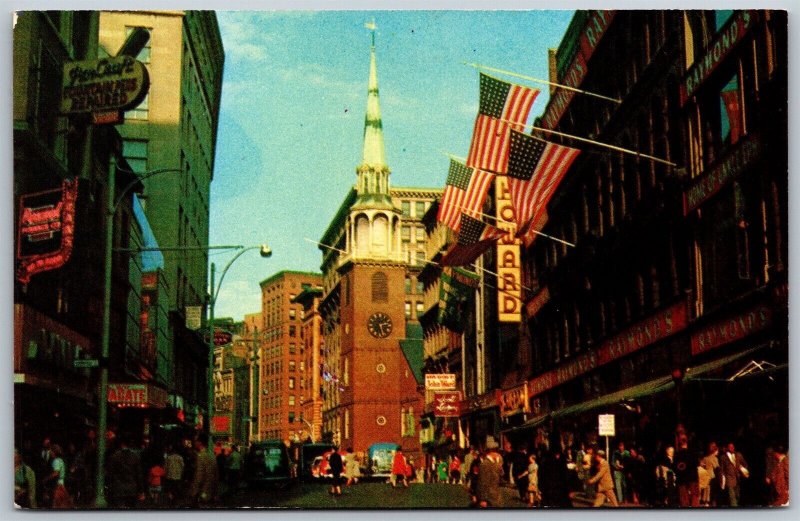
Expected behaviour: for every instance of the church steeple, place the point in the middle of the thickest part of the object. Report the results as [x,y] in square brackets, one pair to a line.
[373,172]
[373,228]
[374,151]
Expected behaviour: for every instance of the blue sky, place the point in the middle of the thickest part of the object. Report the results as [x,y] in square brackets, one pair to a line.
[292,117]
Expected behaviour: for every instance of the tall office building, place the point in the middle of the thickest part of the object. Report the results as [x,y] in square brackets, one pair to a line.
[284,372]
[175,129]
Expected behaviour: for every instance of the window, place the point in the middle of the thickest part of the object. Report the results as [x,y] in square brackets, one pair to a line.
[144,54]
[135,152]
[419,309]
[420,287]
[408,309]
[291,417]
[302,366]
[141,111]
[292,348]
[291,400]
[292,331]
[408,285]
[291,366]
[291,382]
[419,258]
[406,206]
[405,233]
[292,314]
[419,208]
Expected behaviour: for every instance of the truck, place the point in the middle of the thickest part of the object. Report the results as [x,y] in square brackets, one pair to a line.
[379,459]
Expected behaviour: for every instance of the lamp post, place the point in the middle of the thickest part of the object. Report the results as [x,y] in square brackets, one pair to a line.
[102,400]
[213,293]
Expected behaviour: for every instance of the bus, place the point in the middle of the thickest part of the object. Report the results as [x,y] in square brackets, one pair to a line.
[379,459]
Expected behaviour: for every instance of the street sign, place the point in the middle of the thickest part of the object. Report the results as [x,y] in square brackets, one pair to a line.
[605,425]
[85,363]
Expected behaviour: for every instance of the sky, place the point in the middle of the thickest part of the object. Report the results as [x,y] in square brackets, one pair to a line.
[291,122]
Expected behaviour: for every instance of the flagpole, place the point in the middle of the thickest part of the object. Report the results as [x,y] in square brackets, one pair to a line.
[435,264]
[585,140]
[545,82]
[534,231]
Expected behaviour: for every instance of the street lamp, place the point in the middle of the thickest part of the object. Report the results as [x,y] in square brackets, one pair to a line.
[265,253]
[102,399]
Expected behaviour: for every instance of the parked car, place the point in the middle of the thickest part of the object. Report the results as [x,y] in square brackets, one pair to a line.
[268,463]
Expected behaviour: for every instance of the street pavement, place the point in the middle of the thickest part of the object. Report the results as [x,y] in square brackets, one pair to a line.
[363,495]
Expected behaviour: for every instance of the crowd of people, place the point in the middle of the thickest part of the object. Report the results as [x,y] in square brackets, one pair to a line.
[187,473]
[674,476]
[190,473]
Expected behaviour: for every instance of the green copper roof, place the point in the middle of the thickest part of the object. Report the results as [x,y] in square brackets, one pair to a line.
[374,154]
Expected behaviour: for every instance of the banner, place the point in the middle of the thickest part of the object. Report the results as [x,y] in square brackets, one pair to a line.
[455,289]
[46,230]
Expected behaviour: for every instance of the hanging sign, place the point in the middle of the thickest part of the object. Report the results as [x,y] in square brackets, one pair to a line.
[447,404]
[193,317]
[102,86]
[440,382]
[46,228]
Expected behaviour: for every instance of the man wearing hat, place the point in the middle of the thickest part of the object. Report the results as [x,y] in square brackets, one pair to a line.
[604,481]
[487,487]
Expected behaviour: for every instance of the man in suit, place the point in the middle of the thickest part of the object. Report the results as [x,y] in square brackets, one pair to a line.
[604,481]
[203,489]
[733,468]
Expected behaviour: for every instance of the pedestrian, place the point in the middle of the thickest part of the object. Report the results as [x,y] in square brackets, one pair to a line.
[455,470]
[24,483]
[203,490]
[469,457]
[124,476]
[618,461]
[155,477]
[221,455]
[519,470]
[441,471]
[42,468]
[635,475]
[487,486]
[778,478]
[352,467]
[686,475]
[336,466]
[173,474]
[60,497]
[233,469]
[534,495]
[604,482]
[733,469]
[399,466]
[410,470]
[711,465]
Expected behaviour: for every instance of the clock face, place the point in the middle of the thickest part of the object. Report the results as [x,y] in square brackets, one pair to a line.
[379,325]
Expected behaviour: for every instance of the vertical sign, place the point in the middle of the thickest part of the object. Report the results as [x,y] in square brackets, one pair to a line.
[509,292]
[193,317]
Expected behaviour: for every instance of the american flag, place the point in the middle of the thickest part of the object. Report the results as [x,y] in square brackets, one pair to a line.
[473,240]
[503,106]
[535,168]
[464,192]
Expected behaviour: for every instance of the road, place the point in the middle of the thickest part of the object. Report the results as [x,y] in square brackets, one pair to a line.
[362,495]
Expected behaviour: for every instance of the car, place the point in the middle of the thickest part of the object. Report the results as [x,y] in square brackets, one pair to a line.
[268,463]
[311,457]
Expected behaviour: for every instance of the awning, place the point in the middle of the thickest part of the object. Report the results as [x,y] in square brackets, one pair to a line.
[654,386]
[695,373]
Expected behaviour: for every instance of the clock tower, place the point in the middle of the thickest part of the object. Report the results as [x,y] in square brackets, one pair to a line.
[373,390]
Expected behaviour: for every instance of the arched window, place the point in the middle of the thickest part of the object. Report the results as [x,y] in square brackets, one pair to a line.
[380,226]
[362,233]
